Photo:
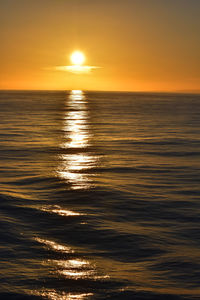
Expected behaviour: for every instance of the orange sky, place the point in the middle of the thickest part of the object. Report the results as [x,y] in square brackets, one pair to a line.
[140,45]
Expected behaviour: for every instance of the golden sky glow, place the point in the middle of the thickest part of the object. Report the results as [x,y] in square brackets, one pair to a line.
[138,45]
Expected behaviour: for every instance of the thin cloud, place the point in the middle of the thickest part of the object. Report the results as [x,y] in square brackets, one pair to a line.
[76,69]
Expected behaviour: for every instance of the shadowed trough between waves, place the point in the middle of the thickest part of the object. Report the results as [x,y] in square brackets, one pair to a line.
[99,195]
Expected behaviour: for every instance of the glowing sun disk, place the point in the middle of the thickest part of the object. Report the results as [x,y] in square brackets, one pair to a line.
[77,58]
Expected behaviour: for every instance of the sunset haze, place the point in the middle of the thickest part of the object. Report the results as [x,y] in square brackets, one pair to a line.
[137,45]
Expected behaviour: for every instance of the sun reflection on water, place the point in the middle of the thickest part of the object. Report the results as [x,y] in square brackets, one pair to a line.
[75,268]
[77,95]
[72,267]
[72,263]
[54,295]
[73,167]
[54,246]
[56,209]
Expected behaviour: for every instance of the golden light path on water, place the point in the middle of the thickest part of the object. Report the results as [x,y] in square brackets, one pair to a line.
[71,268]
[74,166]
[56,209]
[53,295]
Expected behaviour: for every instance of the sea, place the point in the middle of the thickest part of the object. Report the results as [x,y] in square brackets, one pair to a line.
[99,195]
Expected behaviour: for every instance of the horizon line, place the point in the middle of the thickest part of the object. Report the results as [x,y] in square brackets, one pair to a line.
[109,91]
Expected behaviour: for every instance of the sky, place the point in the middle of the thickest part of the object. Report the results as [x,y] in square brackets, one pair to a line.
[138,45]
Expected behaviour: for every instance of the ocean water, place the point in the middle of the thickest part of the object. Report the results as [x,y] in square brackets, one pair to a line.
[99,195]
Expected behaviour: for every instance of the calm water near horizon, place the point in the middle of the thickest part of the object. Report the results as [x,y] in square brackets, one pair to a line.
[99,195]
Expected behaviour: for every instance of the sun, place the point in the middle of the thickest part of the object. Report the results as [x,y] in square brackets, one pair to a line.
[77,58]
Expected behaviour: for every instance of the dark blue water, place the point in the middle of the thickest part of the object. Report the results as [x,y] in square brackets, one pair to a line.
[100,196]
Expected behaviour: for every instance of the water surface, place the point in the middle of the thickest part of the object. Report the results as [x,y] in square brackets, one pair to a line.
[99,195]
